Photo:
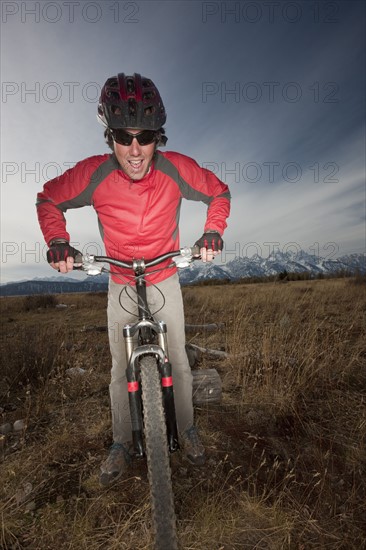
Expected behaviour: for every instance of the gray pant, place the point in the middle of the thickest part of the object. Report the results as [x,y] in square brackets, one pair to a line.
[173,315]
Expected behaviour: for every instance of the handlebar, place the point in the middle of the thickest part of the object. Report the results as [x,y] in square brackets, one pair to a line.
[182,258]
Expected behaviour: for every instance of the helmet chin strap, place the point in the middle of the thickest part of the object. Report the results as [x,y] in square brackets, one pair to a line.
[162,139]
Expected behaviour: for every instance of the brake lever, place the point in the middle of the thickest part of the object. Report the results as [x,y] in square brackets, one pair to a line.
[185,258]
[90,266]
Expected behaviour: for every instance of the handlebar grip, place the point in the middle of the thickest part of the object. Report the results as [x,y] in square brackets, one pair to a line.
[78,260]
[196,251]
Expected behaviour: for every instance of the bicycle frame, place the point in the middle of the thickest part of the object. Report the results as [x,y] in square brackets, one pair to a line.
[152,340]
[148,330]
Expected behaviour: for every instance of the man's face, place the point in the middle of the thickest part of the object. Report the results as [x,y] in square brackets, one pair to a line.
[135,159]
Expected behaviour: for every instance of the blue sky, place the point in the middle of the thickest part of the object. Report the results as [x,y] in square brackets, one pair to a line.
[270,96]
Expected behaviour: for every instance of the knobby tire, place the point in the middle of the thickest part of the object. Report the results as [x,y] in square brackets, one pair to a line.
[158,463]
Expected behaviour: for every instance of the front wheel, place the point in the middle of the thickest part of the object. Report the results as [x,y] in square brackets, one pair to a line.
[158,464]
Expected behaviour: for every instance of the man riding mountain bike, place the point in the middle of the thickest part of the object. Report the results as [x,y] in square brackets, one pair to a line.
[136,192]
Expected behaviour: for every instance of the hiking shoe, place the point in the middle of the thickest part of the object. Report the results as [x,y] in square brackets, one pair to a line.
[193,448]
[116,464]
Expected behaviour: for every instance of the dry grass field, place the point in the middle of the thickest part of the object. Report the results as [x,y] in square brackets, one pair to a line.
[286,450]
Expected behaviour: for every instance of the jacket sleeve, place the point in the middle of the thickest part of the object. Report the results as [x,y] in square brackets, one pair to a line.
[69,190]
[219,205]
[200,184]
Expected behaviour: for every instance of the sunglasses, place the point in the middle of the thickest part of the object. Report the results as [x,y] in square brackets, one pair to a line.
[125,138]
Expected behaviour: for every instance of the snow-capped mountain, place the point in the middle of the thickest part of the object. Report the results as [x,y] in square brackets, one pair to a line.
[55,285]
[238,268]
[277,262]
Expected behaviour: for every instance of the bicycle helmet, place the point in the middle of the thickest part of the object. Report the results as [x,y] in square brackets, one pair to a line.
[131,102]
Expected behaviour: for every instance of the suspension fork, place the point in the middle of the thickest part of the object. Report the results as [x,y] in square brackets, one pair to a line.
[167,390]
[134,388]
[147,328]
[169,405]
[134,394]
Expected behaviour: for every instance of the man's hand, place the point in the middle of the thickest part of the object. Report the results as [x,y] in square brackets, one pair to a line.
[62,256]
[210,245]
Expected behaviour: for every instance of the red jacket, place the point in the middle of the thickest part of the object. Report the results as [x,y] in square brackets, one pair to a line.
[137,219]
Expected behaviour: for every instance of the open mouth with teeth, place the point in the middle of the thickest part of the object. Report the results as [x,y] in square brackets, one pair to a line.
[135,164]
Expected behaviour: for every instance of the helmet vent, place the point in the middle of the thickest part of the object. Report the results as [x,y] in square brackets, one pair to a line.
[147,83]
[132,107]
[148,95]
[113,95]
[112,82]
[149,111]
[130,86]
